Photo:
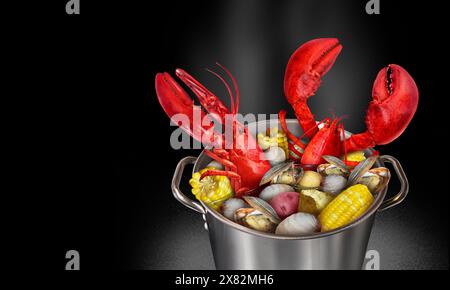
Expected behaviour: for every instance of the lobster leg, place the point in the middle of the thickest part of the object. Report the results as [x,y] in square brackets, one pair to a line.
[222,157]
[234,178]
[395,100]
[304,70]
[282,119]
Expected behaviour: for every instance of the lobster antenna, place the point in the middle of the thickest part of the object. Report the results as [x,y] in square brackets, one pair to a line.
[233,111]
[235,85]
[326,120]
[333,114]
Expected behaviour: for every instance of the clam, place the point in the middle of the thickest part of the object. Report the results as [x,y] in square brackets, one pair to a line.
[241,213]
[273,190]
[376,179]
[331,169]
[283,173]
[333,184]
[298,224]
[275,171]
[275,155]
[230,206]
[262,206]
[336,162]
[254,219]
[361,169]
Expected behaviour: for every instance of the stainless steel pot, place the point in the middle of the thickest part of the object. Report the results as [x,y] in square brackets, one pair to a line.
[237,247]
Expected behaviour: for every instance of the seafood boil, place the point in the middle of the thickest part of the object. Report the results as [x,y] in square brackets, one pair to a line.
[286,184]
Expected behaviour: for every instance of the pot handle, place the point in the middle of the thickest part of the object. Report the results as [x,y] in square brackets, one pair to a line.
[181,197]
[404,184]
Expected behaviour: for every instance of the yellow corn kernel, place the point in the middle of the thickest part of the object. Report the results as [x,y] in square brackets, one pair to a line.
[278,138]
[356,156]
[212,190]
[283,144]
[263,141]
[346,207]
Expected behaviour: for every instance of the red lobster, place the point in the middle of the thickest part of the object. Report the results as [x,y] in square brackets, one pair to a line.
[241,159]
[395,99]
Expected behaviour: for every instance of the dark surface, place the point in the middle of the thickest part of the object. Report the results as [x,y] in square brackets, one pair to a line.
[114,137]
[402,244]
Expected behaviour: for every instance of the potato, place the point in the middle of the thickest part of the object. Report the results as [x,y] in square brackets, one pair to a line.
[313,201]
[298,224]
[310,180]
[285,203]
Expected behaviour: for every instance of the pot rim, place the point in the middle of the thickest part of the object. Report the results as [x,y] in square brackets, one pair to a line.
[370,211]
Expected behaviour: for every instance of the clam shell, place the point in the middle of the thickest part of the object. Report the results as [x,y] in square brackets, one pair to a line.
[372,181]
[241,213]
[230,206]
[254,219]
[290,176]
[361,169]
[263,207]
[337,162]
[274,171]
[330,169]
[376,179]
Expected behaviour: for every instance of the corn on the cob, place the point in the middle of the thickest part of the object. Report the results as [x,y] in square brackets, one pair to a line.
[346,207]
[280,138]
[273,137]
[356,156]
[212,190]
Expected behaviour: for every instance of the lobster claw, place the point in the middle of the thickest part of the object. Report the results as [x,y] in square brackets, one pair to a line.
[176,102]
[304,70]
[395,100]
[215,107]
[307,65]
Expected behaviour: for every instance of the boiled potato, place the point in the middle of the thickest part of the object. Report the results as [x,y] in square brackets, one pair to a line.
[285,204]
[298,224]
[310,180]
[313,201]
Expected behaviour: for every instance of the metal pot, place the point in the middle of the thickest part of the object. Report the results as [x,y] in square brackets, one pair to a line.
[237,247]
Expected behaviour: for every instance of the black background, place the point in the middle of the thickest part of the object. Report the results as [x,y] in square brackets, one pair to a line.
[106,138]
